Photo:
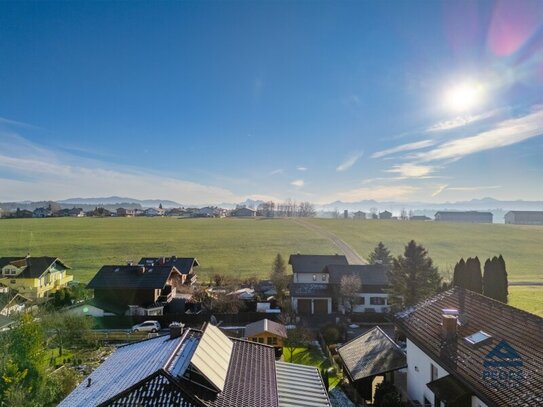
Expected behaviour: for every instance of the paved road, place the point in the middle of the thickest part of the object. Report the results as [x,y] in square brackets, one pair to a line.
[352,256]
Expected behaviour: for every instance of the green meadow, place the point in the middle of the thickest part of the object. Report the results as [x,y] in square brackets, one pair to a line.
[246,247]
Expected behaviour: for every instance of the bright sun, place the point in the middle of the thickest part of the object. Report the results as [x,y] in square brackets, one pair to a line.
[464,96]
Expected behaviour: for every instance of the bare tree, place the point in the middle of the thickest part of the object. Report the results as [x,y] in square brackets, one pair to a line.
[349,287]
[306,210]
[297,338]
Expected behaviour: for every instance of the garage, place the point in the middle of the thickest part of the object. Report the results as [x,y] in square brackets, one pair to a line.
[321,307]
[304,306]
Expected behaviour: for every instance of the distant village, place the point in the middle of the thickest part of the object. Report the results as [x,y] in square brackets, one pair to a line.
[268,210]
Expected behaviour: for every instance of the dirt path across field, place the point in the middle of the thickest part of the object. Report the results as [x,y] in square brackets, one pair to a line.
[352,256]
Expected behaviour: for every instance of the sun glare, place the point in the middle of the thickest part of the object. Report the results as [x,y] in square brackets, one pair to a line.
[464,96]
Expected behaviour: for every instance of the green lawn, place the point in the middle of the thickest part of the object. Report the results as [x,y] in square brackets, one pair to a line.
[528,298]
[238,247]
[521,246]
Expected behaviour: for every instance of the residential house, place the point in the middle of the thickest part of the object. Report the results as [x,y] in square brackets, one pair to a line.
[359,215]
[209,212]
[136,289]
[185,265]
[180,212]
[370,355]
[243,212]
[44,212]
[154,212]
[467,216]
[373,296]
[524,217]
[193,368]
[127,212]
[385,215]
[310,290]
[465,349]
[77,212]
[266,331]
[34,277]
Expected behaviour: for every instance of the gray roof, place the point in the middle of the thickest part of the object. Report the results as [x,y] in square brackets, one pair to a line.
[34,266]
[314,263]
[300,386]
[370,354]
[370,274]
[310,290]
[183,264]
[132,277]
[526,212]
[127,366]
[265,325]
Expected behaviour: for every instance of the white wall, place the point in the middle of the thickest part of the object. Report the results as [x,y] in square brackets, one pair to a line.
[367,303]
[419,373]
[321,278]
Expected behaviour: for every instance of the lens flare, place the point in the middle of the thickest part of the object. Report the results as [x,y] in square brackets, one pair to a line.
[464,97]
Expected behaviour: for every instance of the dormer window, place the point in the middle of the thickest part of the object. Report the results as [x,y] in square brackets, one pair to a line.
[314,277]
[324,277]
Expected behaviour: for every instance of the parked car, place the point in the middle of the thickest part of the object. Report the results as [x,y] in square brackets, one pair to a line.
[147,326]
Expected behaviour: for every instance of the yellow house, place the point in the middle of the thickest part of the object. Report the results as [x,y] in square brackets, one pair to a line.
[34,277]
[266,332]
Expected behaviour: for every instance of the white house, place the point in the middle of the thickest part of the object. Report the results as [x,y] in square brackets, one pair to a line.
[464,349]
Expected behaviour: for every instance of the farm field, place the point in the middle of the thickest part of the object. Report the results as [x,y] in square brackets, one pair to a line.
[240,247]
[246,247]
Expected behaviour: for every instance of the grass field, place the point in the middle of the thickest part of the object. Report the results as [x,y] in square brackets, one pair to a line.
[246,247]
[240,247]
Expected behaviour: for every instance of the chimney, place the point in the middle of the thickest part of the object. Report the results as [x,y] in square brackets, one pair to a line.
[141,269]
[162,260]
[176,330]
[89,382]
[448,327]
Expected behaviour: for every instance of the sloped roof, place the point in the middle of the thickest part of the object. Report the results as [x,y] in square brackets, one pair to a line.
[300,386]
[152,373]
[265,325]
[183,264]
[310,290]
[521,330]
[371,354]
[34,266]
[115,277]
[370,274]
[314,263]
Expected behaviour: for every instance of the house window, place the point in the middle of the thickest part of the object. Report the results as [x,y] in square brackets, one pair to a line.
[433,372]
[377,301]
[272,340]
[260,340]
[314,277]
[324,277]
[360,300]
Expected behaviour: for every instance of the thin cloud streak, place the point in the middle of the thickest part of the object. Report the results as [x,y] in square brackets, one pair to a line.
[404,147]
[408,170]
[393,192]
[442,188]
[461,121]
[277,171]
[301,168]
[349,161]
[505,133]
[298,183]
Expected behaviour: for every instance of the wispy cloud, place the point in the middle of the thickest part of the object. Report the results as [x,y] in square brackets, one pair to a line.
[442,188]
[404,147]
[277,171]
[505,133]
[16,123]
[408,170]
[461,121]
[350,161]
[298,183]
[301,168]
[38,173]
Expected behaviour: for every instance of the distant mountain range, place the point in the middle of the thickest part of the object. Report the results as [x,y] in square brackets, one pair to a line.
[117,200]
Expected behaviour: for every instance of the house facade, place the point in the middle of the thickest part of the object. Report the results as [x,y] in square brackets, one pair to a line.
[243,212]
[467,217]
[267,332]
[385,215]
[315,287]
[464,349]
[524,217]
[34,277]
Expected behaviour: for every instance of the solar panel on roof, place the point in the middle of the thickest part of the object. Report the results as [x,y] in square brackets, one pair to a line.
[212,356]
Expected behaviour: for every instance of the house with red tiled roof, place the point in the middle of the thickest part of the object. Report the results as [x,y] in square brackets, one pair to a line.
[465,349]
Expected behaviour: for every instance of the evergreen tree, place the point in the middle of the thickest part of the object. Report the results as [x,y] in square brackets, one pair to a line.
[380,255]
[495,284]
[413,276]
[279,277]
[460,273]
[475,276]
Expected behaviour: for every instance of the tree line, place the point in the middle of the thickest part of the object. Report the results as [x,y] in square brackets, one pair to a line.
[288,209]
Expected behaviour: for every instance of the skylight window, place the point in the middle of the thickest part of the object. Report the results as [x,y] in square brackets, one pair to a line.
[477,338]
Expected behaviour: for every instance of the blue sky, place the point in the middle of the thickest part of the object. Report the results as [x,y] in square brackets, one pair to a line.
[209,102]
